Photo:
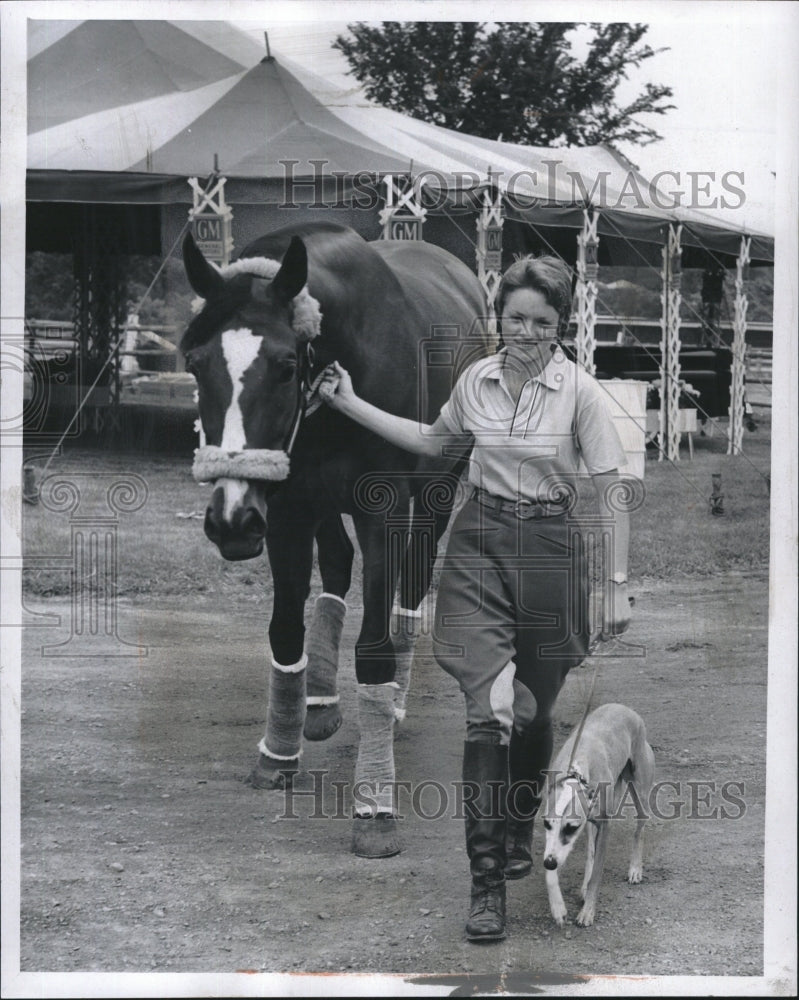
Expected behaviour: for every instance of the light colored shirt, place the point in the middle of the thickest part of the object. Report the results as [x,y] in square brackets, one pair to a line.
[559,425]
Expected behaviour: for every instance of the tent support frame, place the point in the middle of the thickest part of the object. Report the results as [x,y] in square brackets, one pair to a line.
[735,438]
[488,252]
[99,311]
[587,275]
[671,299]
[212,219]
[403,216]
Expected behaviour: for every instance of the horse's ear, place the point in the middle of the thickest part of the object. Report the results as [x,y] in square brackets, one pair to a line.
[203,277]
[290,279]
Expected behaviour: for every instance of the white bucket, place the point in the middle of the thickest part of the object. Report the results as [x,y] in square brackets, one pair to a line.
[626,402]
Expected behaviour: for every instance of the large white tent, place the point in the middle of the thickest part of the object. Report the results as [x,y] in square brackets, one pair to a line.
[123,114]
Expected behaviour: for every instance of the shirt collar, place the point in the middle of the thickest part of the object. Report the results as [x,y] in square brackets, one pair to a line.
[551,376]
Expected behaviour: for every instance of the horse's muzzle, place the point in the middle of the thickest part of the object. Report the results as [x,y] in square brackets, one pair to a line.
[240,538]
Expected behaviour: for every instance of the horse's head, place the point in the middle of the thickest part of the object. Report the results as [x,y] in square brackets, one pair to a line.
[248,350]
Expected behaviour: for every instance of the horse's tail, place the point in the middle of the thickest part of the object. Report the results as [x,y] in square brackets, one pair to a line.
[433,501]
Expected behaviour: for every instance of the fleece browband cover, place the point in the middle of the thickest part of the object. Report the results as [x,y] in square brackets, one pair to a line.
[306,318]
[212,462]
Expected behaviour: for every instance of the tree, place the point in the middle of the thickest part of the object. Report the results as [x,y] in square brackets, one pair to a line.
[518,80]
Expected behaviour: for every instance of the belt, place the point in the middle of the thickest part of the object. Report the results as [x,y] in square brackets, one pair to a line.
[524,509]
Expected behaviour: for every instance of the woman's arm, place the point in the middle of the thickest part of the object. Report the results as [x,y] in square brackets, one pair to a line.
[615,599]
[411,435]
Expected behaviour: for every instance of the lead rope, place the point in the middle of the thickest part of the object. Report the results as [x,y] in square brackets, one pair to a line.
[309,401]
[312,400]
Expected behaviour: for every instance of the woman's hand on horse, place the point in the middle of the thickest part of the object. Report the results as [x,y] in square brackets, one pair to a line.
[335,389]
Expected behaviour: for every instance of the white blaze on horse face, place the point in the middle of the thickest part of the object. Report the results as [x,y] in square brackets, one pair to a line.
[240,349]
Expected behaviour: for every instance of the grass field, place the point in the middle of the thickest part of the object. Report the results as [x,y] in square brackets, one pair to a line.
[162,549]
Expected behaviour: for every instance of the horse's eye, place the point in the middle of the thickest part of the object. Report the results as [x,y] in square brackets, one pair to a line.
[286,371]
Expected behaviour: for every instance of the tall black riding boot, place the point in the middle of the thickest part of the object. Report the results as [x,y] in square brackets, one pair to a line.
[485,772]
[528,755]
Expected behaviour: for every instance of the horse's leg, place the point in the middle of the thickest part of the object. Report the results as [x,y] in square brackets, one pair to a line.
[374,826]
[431,514]
[290,546]
[336,553]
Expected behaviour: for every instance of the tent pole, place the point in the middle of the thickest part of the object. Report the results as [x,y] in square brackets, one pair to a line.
[670,298]
[735,439]
[587,274]
[488,252]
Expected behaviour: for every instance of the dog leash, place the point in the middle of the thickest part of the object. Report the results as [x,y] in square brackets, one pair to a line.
[591,649]
[593,645]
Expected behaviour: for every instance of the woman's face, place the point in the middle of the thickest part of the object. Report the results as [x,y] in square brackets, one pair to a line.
[529,325]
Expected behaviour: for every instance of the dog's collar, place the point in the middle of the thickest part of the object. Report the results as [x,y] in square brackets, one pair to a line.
[577,777]
[592,794]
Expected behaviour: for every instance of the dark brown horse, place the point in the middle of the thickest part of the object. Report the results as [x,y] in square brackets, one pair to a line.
[403,319]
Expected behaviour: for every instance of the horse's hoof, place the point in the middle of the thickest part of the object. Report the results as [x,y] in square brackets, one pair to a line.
[268,773]
[321,721]
[375,836]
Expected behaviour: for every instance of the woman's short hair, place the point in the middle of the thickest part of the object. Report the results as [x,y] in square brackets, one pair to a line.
[548,275]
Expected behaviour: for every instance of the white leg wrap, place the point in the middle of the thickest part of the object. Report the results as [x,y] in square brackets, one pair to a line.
[285,713]
[405,628]
[322,645]
[374,770]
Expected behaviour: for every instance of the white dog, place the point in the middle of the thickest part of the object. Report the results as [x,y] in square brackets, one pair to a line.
[613,766]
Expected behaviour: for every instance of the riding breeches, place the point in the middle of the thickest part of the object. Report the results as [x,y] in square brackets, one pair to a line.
[511,616]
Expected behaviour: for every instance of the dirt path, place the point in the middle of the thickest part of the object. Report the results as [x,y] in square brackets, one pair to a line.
[143,850]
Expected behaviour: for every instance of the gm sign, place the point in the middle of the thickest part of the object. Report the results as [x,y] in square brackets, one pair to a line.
[405,228]
[212,234]
[493,245]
